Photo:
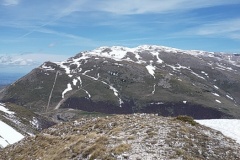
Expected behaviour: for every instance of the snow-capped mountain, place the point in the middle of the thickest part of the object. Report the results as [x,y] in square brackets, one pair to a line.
[147,78]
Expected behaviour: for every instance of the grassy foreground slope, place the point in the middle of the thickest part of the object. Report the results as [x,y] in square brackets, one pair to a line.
[138,136]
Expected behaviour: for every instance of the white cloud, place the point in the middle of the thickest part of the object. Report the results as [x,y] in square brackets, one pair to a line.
[38,16]
[42,57]
[52,15]
[126,7]
[154,6]
[22,62]
[10,2]
[26,62]
[74,6]
[30,59]
[235,35]
[225,26]
[52,45]
[228,28]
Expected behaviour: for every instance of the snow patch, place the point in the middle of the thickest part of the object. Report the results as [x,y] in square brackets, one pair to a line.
[69,88]
[116,52]
[8,135]
[151,69]
[221,67]
[35,123]
[228,127]
[75,82]
[84,73]
[157,103]
[89,95]
[215,94]
[154,89]
[67,69]
[80,80]
[115,91]
[216,87]
[218,101]
[5,110]
[47,68]
[206,74]
[178,67]
[197,75]
[98,75]
[118,64]
[116,94]
[156,54]
[229,97]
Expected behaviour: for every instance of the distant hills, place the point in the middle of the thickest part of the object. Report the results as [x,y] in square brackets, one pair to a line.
[148,78]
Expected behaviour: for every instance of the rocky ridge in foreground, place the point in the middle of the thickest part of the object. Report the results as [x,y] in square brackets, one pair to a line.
[137,136]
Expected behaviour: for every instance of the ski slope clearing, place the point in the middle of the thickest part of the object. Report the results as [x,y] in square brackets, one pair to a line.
[228,127]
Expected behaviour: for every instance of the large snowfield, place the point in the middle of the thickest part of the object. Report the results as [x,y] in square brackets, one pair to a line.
[228,127]
[8,135]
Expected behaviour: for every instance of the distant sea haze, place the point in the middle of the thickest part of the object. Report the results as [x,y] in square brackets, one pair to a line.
[8,78]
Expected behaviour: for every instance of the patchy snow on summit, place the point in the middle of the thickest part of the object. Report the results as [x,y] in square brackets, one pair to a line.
[153,62]
[47,68]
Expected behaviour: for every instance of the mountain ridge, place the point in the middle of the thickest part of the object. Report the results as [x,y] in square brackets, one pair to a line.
[147,78]
[135,136]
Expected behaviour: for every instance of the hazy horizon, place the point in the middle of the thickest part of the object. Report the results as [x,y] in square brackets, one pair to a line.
[8,78]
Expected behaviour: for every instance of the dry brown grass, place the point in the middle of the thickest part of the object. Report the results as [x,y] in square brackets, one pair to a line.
[121,149]
[115,131]
[132,135]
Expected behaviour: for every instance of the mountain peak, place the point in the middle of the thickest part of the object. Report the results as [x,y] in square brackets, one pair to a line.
[146,78]
[120,52]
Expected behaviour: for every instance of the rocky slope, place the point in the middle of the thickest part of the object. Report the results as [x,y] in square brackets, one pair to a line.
[150,79]
[17,121]
[138,136]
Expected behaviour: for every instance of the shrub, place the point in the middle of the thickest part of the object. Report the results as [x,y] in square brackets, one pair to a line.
[187,119]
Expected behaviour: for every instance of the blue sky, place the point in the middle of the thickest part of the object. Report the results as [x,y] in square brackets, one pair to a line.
[35,31]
